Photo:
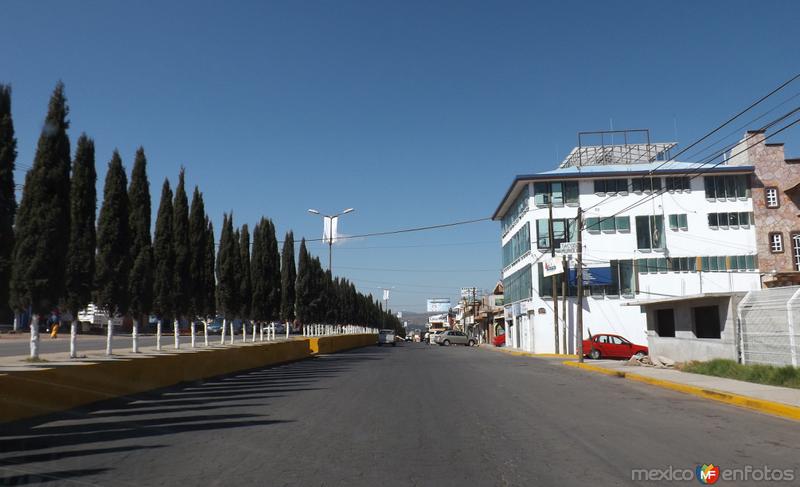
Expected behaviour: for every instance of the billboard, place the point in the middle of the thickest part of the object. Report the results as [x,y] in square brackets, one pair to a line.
[552,266]
[438,305]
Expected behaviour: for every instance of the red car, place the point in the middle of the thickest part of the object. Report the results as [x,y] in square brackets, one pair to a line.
[612,346]
[499,340]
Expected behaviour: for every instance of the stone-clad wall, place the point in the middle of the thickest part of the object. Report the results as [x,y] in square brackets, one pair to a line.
[772,170]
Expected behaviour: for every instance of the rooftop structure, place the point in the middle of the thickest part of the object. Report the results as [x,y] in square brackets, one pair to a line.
[629,152]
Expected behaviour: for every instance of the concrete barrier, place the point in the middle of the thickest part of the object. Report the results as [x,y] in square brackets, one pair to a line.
[29,393]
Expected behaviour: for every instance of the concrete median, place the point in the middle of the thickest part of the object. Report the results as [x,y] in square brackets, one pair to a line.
[42,390]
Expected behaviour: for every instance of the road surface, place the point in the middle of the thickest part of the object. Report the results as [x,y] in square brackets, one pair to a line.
[411,415]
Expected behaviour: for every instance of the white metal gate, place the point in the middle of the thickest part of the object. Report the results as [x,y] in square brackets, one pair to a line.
[770,326]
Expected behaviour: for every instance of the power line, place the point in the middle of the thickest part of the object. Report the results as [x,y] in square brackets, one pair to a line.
[415,270]
[408,230]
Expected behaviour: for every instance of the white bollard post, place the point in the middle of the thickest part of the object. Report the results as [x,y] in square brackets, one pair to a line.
[233,332]
[73,337]
[205,331]
[253,337]
[109,337]
[134,336]
[176,332]
[287,330]
[158,335]
[261,330]
[223,331]
[244,331]
[193,335]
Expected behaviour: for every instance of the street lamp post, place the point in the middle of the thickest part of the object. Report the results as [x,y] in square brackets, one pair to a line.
[330,231]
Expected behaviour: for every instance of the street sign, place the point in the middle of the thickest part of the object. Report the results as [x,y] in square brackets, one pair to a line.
[552,266]
[568,248]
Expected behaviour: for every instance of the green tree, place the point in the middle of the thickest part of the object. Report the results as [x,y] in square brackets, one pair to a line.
[227,286]
[82,235]
[197,257]
[273,265]
[245,281]
[288,279]
[180,244]
[140,282]
[258,273]
[209,277]
[40,247]
[304,286]
[112,265]
[164,261]
[8,203]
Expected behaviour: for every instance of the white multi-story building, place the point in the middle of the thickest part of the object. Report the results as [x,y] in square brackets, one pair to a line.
[653,228]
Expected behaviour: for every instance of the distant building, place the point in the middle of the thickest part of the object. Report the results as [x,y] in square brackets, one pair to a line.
[696,237]
[776,205]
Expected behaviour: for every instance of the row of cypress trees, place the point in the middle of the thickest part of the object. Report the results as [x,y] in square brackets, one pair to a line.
[54,254]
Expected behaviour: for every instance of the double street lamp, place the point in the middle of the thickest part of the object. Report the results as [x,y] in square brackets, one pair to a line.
[330,220]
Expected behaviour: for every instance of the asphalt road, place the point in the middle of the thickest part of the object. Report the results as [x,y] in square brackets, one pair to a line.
[21,345]
[410,415]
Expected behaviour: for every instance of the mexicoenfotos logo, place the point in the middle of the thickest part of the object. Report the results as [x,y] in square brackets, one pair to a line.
[707,474]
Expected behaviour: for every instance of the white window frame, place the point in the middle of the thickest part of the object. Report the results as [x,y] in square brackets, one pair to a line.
[796,250]
[776,243]
[771,197]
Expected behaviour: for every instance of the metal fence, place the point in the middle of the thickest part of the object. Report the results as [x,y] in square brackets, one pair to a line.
[769,321]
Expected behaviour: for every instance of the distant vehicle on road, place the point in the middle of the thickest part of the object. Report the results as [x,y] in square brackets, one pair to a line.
[612,346]
[386,337]
[499,340]
[430,336]
[455,337]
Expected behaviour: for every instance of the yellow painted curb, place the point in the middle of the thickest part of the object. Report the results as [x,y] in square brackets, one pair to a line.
[755,404]
[517,353]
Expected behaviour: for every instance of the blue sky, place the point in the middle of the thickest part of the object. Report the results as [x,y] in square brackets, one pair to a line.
[414,113]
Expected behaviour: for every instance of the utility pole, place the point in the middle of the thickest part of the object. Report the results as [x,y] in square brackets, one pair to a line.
[553,280]
[579,276]
[564,304]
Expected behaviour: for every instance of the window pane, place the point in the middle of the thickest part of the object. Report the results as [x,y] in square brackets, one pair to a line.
[607,224]
[741,186]
[669,183]
[750,262]
[541,193]
[623,223]
[712,220]
[636,184]
[722,262]
[656,184]
[741,262]
[557,193]
[641,266]
[712,264]
[692,264]
[730,186]
[622,185]
[704,263]
[682,221]
[673,222]
[571,191]
[642,232]
[626,279]
[572,226]
[744,218]
[708,181]
[733,219]
[657,227]
[662,264]
[599,186]
[719,187]
[593,224]
[542,235]
[652,265]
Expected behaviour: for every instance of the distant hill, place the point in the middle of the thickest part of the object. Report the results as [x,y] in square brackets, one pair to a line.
[416,320]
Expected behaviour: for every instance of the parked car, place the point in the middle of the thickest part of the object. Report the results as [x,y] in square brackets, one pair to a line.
[612,346]
[386,337]
[454,337]
[499,340]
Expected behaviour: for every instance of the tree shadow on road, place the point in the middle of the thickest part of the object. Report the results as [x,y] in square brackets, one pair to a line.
[46,477]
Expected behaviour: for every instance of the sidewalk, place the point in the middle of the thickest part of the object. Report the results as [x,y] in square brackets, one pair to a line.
[778,401]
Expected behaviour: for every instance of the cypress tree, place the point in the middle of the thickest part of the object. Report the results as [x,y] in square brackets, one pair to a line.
[40,247]
[82,236]
[258,273]
[163,260]
[227,286]
[288,278]
[197,255]
[273,259]
[140,282]
[112,267]
[8,203]
[180,244]
[210,281]
[245,280]
[304,285]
